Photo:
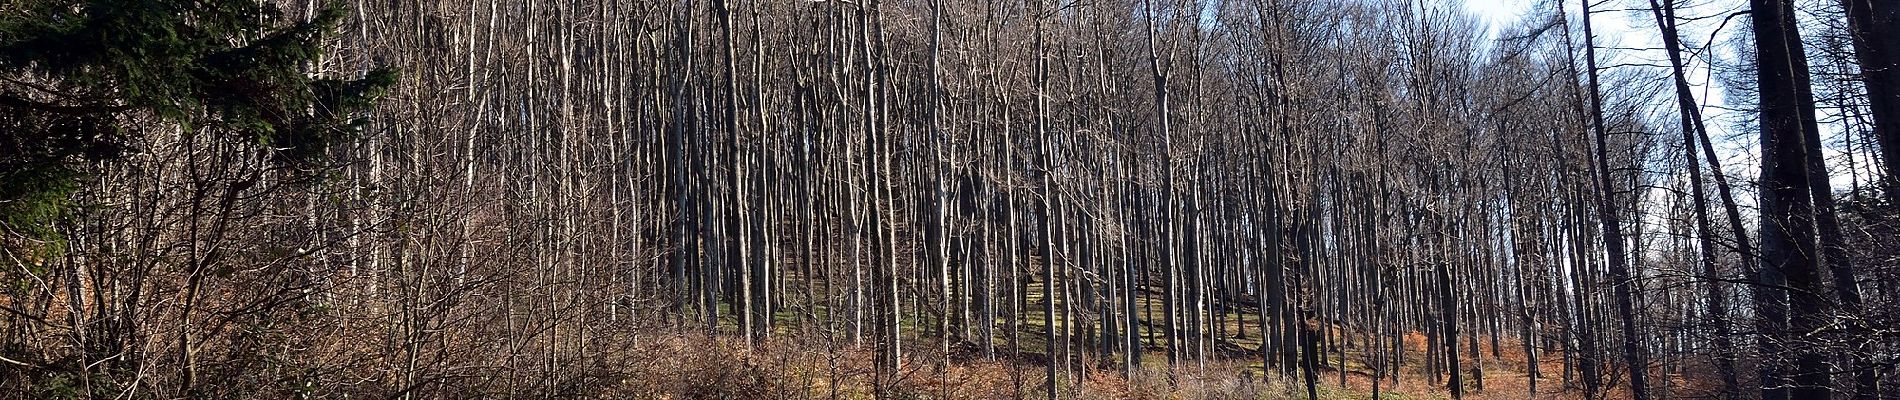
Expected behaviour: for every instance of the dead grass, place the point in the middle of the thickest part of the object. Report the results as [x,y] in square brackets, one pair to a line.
[690,366]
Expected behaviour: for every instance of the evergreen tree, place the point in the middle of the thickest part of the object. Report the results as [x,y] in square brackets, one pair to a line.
[81,80]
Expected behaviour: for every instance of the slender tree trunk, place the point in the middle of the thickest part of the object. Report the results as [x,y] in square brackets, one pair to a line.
[1633,356]
[1448,300]
[1045,208]
[1691,125]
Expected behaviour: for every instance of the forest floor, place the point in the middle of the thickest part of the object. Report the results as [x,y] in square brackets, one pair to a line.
[808,365]
[800,360]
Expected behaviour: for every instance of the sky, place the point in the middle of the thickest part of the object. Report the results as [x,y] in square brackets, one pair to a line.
[1497,12]
[1627,37]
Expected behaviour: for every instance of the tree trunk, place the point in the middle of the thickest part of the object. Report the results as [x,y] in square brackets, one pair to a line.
[1634,358]
[1788,209]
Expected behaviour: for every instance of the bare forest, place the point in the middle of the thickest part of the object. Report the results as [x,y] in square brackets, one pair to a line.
[949,199]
